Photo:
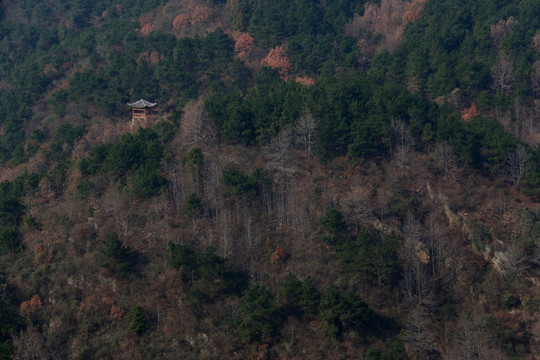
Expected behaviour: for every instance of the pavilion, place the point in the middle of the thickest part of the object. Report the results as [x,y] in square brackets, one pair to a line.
[139,109]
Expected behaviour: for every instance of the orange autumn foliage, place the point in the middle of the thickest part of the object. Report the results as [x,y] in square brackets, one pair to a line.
[243,44]
[115,313]
[147,24]
[469,113]
[277,59]
[180,21]
[278,256]
[67,65]
[30,306]
[386,19]
[49,69]
[199,14]
[146,29]
[305,80]
[43,254]
[194,15]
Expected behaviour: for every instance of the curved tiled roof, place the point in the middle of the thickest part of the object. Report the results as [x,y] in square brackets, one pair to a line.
[142,104]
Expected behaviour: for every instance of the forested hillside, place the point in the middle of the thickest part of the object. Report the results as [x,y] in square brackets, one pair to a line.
[318,180]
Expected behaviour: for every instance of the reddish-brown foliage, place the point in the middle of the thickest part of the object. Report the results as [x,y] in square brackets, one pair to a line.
[243,44]
[106,300]
[151,58]
[413,11]
[89,305]
[262,352]
[180,21]
[277,59]
[31,306]
[305,80]
[115,313]
[146,19]
[278,256]
[199,14]
[469,113]
[49,69]
[43,253]
[387,19]
[67,65]
[194,15]
[146,29]
[147,24]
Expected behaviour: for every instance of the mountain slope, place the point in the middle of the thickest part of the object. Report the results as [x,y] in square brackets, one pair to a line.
[310,184]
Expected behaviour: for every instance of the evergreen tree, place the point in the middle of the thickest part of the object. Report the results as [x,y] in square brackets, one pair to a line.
[334,226]
[137,319]
[261,319]
[115,256]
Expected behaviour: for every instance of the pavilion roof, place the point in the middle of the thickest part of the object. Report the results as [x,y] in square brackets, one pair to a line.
[141,104]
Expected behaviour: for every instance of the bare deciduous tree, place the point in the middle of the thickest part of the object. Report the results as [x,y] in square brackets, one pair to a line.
[472,341]
[223,223]
[457,100]
[279,148]
[386,19]
[280,188]
[404,142]
[516,163]
[446,159]
[502,73]
[306,128]
[30,345]
[383,197]
[535,79]
[418,288]
[418,334]
[196,128]
[516,260]
[500,29]
[536,43]
[442,251]
[356,207]
[176,188]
